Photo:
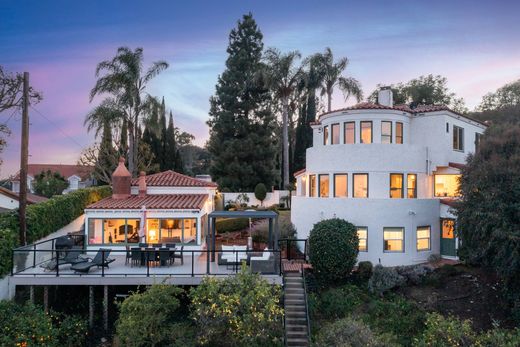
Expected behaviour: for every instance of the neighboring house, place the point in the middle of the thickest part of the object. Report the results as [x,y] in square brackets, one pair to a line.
[393,172]
[10,200]
[79,176]
[158,208]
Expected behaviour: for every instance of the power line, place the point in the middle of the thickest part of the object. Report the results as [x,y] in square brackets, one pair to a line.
[11,116]
[58,128]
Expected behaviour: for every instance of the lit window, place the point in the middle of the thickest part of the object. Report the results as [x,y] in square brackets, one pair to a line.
[113,231]
[340,186]
[448,229]
[458,138]
[411,186]
[325,135]
[393,239]
[399,133]
[423,238]
[478,139]
[360,183]
[350,133]
[446,185]
[386,132]
[312,186]
[396,186]
[324,186]
[366,132]
[362,233]
[303,186]
[335,134]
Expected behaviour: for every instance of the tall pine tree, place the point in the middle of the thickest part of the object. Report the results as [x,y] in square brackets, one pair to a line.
[241,122]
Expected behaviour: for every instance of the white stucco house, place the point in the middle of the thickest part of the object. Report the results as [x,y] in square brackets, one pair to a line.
[392,171]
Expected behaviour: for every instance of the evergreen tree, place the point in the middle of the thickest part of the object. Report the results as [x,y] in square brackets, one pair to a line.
[123,141]
[107,153]
[152,135]
[170,148]
[241,122]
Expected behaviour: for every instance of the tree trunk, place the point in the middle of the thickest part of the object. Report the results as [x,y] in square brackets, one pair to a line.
[329,101]
[285,144]
[131,140]
[135,170]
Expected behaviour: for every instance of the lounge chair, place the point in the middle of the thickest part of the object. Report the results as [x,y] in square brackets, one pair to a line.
[72,257]
[179,255]
[100,260]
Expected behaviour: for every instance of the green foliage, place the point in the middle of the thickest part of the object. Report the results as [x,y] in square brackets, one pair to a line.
[241,310]
[341,301]
[260,192]
[49,184]
[226,225]
[505,97]
[499,337]
[152,318]
[45,218]
[348,332]
[446,332]
[365,269]
[383,279]
[29,325]
[333,249]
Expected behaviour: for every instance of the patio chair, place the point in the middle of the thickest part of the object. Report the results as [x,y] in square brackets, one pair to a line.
[136,256]
[151,255]
[164,256]
[179,255]
[72,257]
[143,245]
[100,260]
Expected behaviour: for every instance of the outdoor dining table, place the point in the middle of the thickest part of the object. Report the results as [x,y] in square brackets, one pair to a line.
[152,253]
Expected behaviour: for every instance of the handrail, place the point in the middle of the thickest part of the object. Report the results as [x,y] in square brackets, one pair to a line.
[288,242]
[70,234]
[306,305]
[284,314]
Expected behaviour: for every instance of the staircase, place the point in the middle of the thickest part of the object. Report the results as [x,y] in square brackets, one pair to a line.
[295,304]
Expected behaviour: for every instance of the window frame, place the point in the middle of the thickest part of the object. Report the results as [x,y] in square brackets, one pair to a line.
[312,192]
[390,185]
[458,132]
[403,246]
[408,187]
[366,239]
[325,135]
[386,135]
[429,238]
[354,182]
[319,185]
[334,185]
[361,131]
[103,229]
[345,124]
[397,124]
[332,133]
[435,189]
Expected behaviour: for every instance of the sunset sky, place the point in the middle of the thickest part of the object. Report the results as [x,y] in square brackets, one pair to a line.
[475,44]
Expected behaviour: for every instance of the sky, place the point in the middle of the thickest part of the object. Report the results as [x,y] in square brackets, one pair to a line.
[474,44]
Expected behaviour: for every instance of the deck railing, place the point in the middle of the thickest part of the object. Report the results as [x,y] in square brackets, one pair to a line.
[295,249]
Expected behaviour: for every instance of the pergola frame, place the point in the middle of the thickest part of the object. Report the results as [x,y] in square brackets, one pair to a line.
[212,229]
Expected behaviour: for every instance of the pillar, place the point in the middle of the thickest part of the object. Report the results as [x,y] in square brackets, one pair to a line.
[46,298]
[91,306]
[31,294]
[105,308]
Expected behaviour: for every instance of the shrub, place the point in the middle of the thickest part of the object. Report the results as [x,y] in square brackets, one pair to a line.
[348,332]
[413,274]
[365,269]
[333,249]
[260,192]
[241,310]
[384,279]
[226,225]
[499,337]
[340,302]
[443,331]
[434,258]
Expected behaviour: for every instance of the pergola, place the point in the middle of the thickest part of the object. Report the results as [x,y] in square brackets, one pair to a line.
[270,215]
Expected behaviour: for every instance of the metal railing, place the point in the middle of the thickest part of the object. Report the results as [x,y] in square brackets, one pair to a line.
[306,304]
[293,251]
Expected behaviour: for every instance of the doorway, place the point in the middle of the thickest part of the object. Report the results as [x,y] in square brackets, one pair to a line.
[448,240]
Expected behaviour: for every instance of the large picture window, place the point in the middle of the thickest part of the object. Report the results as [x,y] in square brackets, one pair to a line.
[386,132]
[411,187]
[174,230]
[398,132]
[334,134]
[360,185]
[393,239]
[350,133]
[366,132]
[423,238]
[324,186]
[396,186]
[458,138]
[340,185]
[362,233]
[325,135]
[112,231]
[312,185]
[446,185]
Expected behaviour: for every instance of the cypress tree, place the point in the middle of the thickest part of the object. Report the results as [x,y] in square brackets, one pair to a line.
[107,154]
[123,141]
[241,122]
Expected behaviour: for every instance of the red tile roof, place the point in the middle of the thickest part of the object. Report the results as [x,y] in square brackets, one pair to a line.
[65,170]
[299,172]
[156,201]
[31,198]
[450,202]
[173,179]
[457,165]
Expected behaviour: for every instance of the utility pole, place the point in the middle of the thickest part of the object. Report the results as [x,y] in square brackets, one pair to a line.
[24,157]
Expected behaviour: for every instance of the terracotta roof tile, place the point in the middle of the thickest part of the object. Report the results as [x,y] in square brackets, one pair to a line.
[65,170]
[155,201]
[173,179]
[31,198]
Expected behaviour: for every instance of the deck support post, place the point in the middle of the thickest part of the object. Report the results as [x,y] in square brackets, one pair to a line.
[31,294]
[46,299]
[105,308]
[91,307]
[270,244]
[213,239]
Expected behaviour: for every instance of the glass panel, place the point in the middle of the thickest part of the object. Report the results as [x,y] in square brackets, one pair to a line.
[386,132]
[446,185]
[366,132]
[362,236]
[399,133]
[152,231]
[350,132]
[394,245]
[458,138]
[335,134]
[448,227]
[114,231]
[423,244]
[362,245]
[132,230]
[303,186]
[325,135]
[340,186]
[393,239]
[95,231]
[412,186]
[396,186]
[190,230]
[360,185]
[324,186]
[312,185]
[423,232]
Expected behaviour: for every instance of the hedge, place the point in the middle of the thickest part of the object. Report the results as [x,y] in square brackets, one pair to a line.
[226,225]
[45,218]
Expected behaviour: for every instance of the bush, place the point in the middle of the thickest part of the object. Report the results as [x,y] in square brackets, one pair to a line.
[446,332]
[365,269]
[384,279]
[340,302]
[45,218]
[260,192]
[499,337]
[414,274]
[348,332]
[226,225]
[333,249]
[434,258]
[241,310]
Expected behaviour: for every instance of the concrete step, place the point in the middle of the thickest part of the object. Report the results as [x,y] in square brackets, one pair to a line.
[297,342]
[293,327]
[293,279]
[293,285]
[295,301]
[296,314]
[296,320]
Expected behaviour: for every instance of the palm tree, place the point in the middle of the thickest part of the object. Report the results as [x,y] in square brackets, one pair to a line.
[124,78]
[332,77]
[106,115]
[282,77]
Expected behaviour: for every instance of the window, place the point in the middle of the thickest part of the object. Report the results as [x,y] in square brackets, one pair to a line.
[325,135]
[366,132]
[447,127]
[360,185]
[386,132]
[340,185]
[411,187]
[478,139]
[398,132]
[324,186]
[396,186]
[362,233]
[423,238]
[350,133]
[312,185]
[113,231]
[175,230]
[458,138]
[303,186]
[393,239]
[334,134]
[446,185]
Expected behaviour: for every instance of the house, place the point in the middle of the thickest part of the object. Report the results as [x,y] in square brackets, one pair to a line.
[10,200]
[79,176]
[391,170]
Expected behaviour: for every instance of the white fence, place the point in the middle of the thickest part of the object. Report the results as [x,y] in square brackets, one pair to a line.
[270,199]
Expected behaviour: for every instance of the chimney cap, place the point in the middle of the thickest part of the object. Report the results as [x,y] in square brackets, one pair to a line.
[121,170]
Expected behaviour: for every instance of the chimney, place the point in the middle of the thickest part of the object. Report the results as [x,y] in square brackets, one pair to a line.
[385,97]
[142,184]
[121,181]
